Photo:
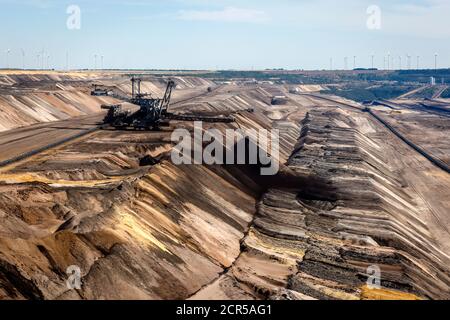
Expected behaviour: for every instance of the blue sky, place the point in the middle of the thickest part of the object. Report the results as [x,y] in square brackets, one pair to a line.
[225,34]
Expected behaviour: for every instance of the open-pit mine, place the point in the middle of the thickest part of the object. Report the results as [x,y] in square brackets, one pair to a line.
[359,209]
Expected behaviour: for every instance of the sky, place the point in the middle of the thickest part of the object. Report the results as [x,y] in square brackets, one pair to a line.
[224,34]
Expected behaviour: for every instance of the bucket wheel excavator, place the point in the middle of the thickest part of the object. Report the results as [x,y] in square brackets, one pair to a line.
[152,113]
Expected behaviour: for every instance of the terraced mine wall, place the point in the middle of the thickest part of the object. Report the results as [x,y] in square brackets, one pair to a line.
[439,163]
[362,204]
[30,99]
[27,100]
[344,213]
[148,236]
[141,232]
[342,202]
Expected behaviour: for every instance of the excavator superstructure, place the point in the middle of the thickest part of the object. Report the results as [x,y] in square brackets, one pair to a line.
[152,113]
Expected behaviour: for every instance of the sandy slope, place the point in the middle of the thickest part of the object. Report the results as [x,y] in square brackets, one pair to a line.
[349,195]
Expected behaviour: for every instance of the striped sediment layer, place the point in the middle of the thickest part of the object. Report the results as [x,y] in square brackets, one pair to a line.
[136,232]
[27,99]
[345,212]
[344,200]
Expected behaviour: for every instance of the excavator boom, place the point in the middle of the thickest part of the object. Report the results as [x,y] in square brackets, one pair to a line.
[165,101]
[152,112]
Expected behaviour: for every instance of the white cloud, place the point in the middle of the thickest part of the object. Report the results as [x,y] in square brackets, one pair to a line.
[406,18]
[228,14]
[430,21]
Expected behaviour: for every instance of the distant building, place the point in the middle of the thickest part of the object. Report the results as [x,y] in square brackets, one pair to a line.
[433,81]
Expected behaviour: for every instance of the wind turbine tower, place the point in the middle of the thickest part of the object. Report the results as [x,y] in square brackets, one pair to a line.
[7,58]
[389,61]
[23,58]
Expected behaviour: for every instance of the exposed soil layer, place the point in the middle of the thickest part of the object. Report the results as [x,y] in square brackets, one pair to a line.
[427,129]
[155,232]
[349,195]
[319,245]
[27,99]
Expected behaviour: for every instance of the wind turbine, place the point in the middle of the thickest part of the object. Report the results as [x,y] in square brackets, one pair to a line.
[7,58]
[354,62]
[23,58]
[435,61]
[418,59]
[389,60]
[43,58]
[373,57]
[102,61]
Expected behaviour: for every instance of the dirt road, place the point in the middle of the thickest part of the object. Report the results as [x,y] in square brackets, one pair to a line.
[22,140]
